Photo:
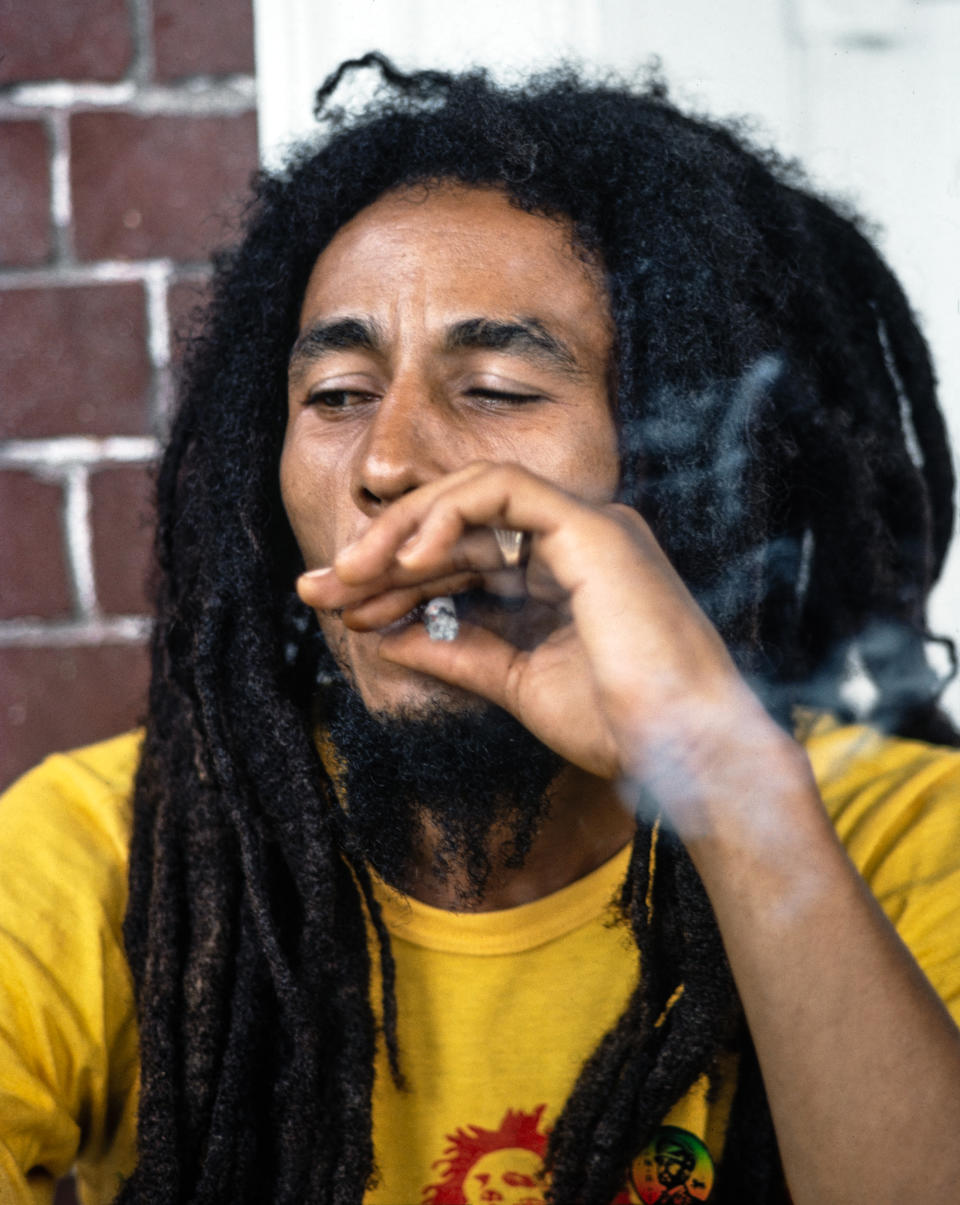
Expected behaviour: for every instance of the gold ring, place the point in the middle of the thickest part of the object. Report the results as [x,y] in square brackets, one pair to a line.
[510,542]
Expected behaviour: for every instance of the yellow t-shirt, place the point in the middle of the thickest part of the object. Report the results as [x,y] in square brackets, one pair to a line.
[497,1011]
[68,1040]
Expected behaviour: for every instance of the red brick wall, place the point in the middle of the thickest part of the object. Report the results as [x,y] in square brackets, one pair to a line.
[127,136]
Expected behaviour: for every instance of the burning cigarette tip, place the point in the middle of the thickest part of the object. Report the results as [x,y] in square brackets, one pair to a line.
[440,618]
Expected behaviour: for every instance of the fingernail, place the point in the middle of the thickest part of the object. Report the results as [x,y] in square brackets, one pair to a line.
[315,574]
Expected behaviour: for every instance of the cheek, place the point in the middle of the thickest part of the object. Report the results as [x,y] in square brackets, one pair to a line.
[307,489]
[608,466]
[580,453]
[594,470]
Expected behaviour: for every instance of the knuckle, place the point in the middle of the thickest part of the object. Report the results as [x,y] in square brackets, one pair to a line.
[625,514]
[477,468]
[513,682]
[629,520]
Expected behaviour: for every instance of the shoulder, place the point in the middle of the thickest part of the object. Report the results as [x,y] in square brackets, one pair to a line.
[68,1055]
[895,805]
[64,847]
[880,789]
[74,809]
[64,842]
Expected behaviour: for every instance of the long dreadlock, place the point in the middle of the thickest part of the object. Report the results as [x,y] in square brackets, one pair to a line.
[761,342]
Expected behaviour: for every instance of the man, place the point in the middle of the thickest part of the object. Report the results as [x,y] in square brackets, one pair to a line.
[660,424]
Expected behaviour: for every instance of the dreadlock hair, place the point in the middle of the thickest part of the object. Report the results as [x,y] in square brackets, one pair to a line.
[778,427]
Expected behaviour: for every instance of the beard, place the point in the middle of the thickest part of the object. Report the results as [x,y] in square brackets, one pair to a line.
[475,782]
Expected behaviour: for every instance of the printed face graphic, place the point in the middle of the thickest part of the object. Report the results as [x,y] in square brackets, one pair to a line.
[674,1164]
[674,1167]
[502,1165]
[507,1176]
[439,327]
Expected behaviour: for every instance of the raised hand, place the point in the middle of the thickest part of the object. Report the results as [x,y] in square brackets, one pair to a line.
[610,661]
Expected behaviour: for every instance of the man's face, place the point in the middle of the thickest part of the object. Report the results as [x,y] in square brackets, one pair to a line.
[440,326]
[507,1177]
[674,1165]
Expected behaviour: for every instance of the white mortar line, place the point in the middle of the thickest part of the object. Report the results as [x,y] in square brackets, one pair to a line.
[205,95]
[144,59]
[61,204]
[79,541]
[67,452]
[118,629]
[61,94]
[108,271]
[156,281]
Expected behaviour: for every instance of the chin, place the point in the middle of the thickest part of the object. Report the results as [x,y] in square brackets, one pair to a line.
[417,696]
[389,690]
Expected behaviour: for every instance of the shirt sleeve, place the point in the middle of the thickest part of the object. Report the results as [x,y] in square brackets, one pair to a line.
[68,1051]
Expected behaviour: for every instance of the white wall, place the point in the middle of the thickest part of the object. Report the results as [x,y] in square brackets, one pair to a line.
[865,92]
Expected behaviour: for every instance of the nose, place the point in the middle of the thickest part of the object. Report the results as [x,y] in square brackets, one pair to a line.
[406,444]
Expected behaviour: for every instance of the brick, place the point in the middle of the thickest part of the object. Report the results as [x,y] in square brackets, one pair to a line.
[73,361]
[53,699]
[122,524]
[34,582]
[24,193]
[187,296]
[200,39]
[157,186]
[47,39]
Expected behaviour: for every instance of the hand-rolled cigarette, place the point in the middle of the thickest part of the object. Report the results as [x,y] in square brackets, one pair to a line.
[440,618]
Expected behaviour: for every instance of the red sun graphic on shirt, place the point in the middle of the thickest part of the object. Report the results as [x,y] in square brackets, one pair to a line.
[504,1166]
[493,1167]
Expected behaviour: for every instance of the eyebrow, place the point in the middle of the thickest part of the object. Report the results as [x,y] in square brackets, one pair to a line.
[340,334]
[524,337]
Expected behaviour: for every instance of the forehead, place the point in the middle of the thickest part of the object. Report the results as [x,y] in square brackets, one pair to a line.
[455,251]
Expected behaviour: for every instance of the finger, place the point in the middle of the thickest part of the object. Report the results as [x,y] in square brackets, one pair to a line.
[421,529]
[570,537]
[383,609]
[392,605]
[385,600]
[503,496]
[476,552]
[376,548]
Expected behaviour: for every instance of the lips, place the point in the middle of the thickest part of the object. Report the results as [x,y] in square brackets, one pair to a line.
[475,605]
[414,615]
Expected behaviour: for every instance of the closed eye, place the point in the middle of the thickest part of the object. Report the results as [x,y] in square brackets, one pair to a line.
[504,396]
[348,399]
[338,399]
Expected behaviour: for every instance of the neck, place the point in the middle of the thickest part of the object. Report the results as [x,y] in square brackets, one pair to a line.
[585,826]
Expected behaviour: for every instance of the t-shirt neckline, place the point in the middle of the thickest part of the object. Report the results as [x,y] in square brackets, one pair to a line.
[506,930]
